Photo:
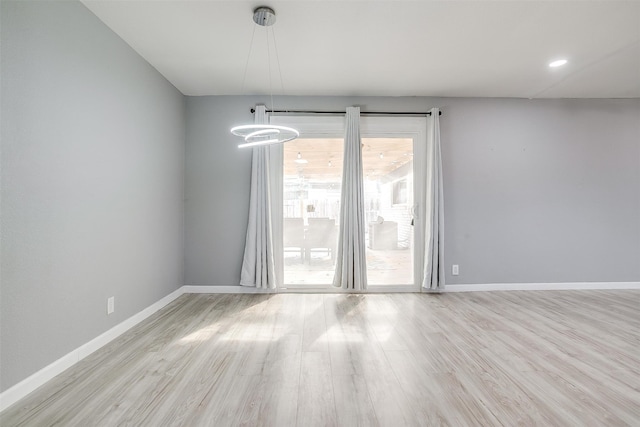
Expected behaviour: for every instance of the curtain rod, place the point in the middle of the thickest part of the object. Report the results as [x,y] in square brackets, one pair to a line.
[362,113]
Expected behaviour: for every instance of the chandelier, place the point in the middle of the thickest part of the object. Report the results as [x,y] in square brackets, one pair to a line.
[264,134]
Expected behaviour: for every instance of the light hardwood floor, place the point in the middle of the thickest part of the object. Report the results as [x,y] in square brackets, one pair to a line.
[563,358]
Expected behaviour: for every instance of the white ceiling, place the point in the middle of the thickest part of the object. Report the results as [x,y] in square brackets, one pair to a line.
[389,48]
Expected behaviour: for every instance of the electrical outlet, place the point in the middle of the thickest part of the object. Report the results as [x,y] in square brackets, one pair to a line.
[110,305]
[455,270]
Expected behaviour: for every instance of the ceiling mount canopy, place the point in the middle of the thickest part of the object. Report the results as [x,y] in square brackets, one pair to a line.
[258,133]
[264,16]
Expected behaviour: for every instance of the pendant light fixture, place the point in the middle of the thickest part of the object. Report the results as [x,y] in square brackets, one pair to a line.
[299,160]
[264,134]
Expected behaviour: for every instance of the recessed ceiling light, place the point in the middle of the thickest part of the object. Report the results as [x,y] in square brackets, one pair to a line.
[558,63]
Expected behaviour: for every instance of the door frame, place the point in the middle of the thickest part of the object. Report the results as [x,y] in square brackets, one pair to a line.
[316,126]
[415,128]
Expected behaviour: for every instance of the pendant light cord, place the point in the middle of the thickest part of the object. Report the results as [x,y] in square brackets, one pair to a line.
[275,47]
[269,66]
[246,64]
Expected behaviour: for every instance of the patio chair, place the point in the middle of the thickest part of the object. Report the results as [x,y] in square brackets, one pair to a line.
[321,235]
[293,236]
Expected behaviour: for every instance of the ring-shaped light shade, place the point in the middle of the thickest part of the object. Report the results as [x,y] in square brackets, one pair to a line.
[253,144]
[264,134]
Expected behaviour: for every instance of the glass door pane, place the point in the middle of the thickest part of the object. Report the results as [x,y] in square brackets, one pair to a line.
[388,200]
[312,169]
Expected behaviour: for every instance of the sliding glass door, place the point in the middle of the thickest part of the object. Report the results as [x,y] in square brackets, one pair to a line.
[310,176]
[388,200]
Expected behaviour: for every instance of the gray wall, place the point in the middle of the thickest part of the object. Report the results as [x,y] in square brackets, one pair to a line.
[536,191]
[92,183]
[542,191]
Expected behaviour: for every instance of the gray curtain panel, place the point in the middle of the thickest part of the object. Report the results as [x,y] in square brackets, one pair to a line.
[434,225]
[258,265]
[351,269]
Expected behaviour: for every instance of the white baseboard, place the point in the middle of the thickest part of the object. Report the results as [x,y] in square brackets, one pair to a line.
[29,384]
[566,286]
